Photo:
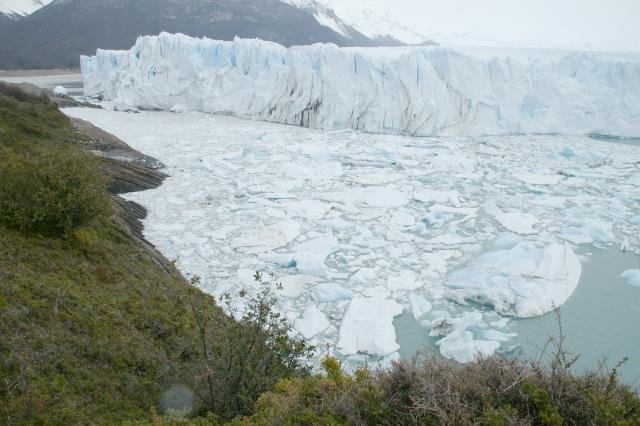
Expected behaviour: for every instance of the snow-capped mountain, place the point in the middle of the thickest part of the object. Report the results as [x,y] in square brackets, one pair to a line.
[13,10]
[18,8]
[377,25]
[324,15]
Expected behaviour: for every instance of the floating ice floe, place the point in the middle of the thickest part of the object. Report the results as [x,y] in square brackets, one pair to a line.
[295,285]
[308,257]
[382,197]
[419,306]
[588,230]
[405,280]
[523,281]
[632,276]
[538,179]
[266,238]
[506,239]
[312,323]
[433,196]
[330,292]
[461,342]
[518,222]
[367,327]
[462,347]
[334,215]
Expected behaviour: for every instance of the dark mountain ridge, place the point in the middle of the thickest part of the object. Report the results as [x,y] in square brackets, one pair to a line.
[56,35]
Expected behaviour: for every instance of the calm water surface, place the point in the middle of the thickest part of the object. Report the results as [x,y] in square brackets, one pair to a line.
[601,321]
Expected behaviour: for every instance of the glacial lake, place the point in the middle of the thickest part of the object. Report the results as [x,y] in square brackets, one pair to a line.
[350,219]
[600,322]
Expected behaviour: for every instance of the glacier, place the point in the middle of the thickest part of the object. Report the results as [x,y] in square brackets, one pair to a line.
[416,91]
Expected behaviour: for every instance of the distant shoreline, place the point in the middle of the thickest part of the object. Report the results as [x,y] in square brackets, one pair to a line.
[70,79]
[39,73]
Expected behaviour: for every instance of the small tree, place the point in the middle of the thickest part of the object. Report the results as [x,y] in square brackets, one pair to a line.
[50,191]
[245,357]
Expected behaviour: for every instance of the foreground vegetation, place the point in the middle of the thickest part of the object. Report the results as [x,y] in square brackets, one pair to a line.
[433,391]
[97,328]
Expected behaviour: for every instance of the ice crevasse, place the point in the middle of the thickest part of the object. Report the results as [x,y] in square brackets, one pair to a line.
[420,91]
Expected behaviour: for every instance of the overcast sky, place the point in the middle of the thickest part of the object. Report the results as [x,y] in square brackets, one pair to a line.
[599,24]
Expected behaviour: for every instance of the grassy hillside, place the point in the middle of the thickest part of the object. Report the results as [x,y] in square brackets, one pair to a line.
[95,326]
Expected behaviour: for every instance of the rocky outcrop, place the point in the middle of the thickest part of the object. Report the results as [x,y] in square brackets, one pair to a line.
[127,169]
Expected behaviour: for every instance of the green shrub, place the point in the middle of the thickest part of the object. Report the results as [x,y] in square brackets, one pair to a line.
[239,360]
[50,191]
[547,414]
[330,398]
[432,391]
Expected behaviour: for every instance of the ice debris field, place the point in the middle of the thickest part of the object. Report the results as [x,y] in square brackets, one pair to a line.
[360,220]
[419,91]
[463,233]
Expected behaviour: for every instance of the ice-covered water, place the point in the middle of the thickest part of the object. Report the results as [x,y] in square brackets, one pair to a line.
[458,236]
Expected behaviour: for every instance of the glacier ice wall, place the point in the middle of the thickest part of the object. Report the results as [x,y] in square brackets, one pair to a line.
[421,91]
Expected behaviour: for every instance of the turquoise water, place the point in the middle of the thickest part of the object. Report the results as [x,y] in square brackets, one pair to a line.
[601,321]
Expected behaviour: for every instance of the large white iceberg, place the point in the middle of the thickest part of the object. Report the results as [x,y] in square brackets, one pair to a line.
[524,281]
[416,91]
[632,276]
[367,327]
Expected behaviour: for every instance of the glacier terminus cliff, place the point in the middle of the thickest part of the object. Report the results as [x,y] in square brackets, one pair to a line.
[417,91]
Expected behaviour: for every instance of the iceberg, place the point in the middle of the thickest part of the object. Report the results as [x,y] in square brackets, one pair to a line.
[419,306]
[60,91]
[331,292]
[463,348]
[632,276]
[308,257]
[312,322]
[266,238]
[524,281]
[294,285]
[417,91]
[518,222]
[367,327]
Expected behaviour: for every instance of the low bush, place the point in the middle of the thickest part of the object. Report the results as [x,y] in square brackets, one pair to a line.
[433,391]
[50,191]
